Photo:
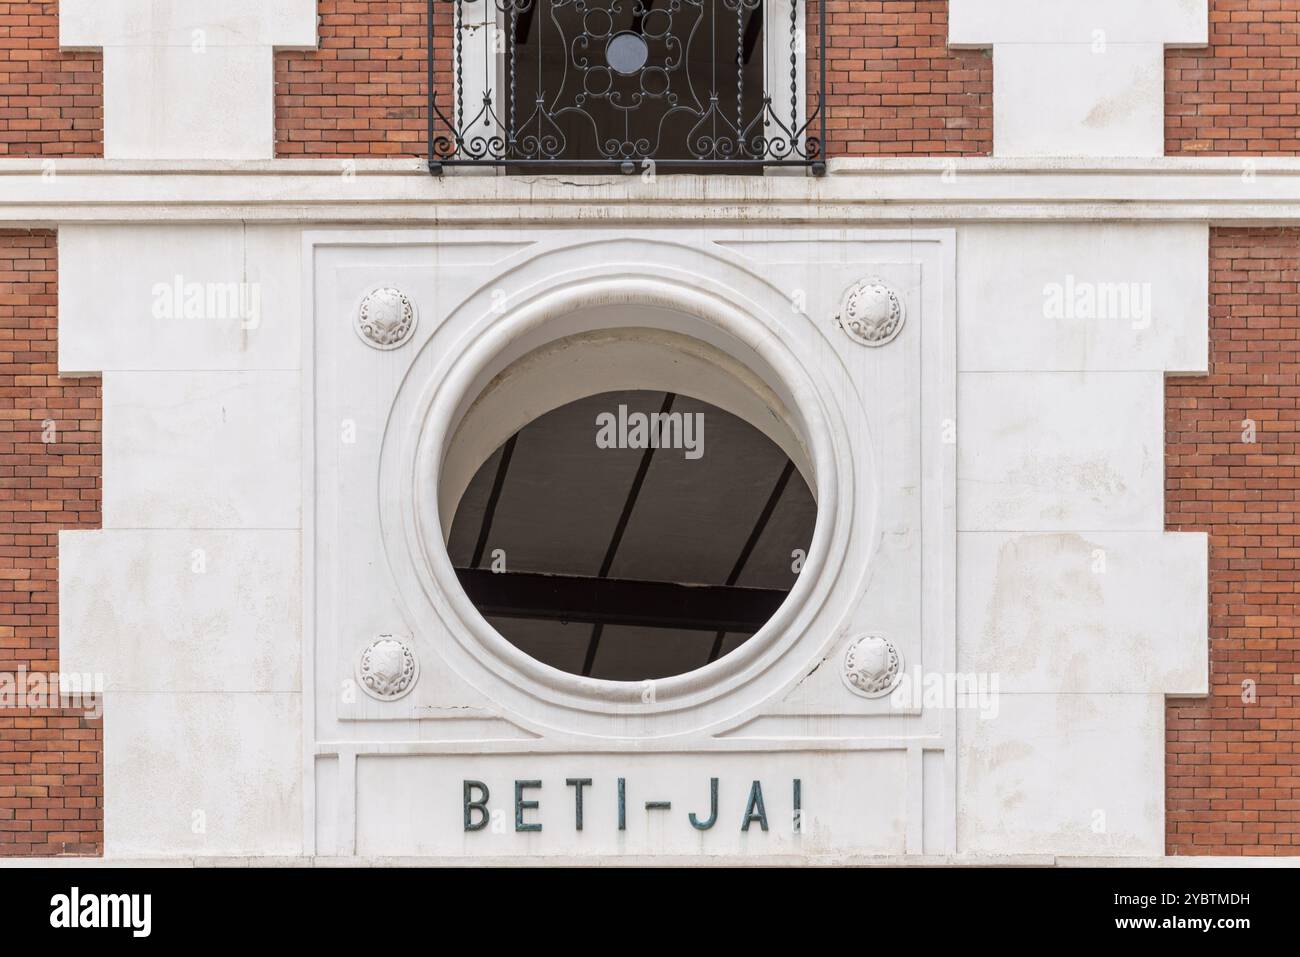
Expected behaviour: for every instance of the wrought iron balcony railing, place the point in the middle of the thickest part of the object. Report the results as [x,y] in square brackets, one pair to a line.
[706,85]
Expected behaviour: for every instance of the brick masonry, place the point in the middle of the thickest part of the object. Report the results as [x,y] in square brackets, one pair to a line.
[51,760]
[1241,96]
[1233,784]
[1233,760]
[51,102]
[364,92]
[893,87]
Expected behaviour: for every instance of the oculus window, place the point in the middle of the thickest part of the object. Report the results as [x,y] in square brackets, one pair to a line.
[632,535]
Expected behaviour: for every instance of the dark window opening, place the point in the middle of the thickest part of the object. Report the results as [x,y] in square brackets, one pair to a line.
[625,562]
[631,80]
[702,86]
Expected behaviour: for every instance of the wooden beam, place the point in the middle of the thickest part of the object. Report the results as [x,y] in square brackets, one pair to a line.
[614,601]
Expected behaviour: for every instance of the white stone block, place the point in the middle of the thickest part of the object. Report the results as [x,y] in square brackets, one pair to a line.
[188,79]
[850,803]
[182,611]
[1060,451]
[217,104]
[92,23]
[1063,774]
[1078,78]
[1079,613]
[202,450]
[179,297]
[202,774]
[982,22]
[1083,296]
[1067,100]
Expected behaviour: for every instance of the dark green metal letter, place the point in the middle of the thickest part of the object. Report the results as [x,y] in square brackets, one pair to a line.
[472,805]
[578,784]
[713,809]
[521,806]
[754,810]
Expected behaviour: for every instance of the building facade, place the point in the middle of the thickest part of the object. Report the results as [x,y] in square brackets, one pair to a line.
[327,328]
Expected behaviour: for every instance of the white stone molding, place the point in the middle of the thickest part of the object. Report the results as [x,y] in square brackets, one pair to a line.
[873,665]
[386,318]
[387,668]
[428,424]
[1078,77]
[518,321]
[1230,191]
[871,313]
[188,78]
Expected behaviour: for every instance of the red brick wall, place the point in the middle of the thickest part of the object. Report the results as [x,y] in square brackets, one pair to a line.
[1241,96]
[51,761]
[363,93]
[1233,764]
[894,88]
[51,103]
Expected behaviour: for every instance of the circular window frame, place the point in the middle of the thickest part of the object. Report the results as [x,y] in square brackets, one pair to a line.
[536,694]
[653,361]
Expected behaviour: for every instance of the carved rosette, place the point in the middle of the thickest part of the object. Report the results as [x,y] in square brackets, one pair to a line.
[872,313]
[386,319]
[873,666]
[388,668]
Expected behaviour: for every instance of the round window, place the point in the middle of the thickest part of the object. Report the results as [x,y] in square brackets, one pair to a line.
[632,535]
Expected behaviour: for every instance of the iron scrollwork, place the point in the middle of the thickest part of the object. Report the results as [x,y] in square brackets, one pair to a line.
[690,83]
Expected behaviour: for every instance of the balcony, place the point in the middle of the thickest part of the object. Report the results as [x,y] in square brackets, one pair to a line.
[716,86]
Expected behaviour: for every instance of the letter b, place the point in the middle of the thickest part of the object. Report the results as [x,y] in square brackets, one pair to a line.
[478,804]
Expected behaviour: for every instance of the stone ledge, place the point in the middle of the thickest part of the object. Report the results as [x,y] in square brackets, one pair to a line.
[957,861]
[402,193]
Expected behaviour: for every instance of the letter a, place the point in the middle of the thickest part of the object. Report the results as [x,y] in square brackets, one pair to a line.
[754,810]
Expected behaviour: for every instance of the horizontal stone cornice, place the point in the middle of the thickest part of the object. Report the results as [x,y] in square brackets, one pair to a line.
[402,193]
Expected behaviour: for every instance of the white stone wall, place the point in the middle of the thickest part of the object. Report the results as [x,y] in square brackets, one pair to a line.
[190,600]
[1078,77]
[1032,550]
[188,79]
[1068,586]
